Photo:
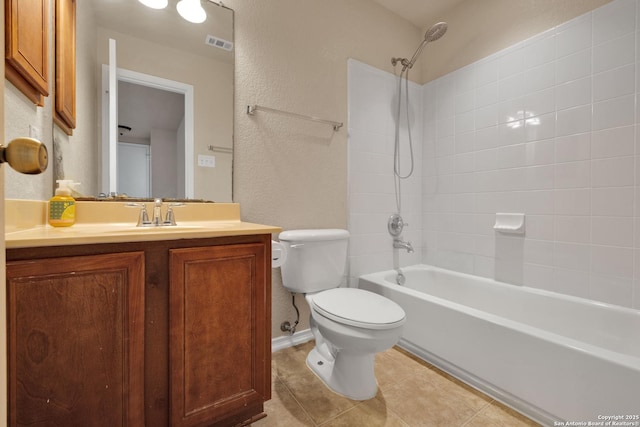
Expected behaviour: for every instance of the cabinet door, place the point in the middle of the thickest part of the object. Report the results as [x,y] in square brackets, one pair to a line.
[27,47]
[76,341]
[219,315]
[65,94]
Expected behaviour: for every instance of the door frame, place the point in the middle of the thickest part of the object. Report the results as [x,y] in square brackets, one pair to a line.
[142,79]
[3,260]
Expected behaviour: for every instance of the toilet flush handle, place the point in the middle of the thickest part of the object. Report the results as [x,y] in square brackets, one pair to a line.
[297,245]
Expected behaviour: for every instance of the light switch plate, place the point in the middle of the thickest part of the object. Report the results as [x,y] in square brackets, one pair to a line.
[206,161]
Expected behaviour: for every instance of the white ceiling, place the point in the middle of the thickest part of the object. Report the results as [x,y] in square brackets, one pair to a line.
[421,13]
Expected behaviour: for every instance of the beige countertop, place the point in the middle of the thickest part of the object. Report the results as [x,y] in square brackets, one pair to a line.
[111,222]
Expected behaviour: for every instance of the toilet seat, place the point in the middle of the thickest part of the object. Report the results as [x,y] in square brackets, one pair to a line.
[357,307]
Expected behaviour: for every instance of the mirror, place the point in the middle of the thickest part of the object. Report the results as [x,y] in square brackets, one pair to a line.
[185,142]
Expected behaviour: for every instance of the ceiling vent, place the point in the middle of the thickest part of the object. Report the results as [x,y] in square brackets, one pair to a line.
[220,43]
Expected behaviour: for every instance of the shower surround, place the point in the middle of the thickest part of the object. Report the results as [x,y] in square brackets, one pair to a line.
[546,127]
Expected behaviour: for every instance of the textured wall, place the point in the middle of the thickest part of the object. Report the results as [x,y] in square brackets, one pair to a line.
[292,55]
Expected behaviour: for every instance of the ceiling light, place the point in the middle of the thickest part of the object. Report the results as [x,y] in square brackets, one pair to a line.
[123,130]
[192,11]
[155,4]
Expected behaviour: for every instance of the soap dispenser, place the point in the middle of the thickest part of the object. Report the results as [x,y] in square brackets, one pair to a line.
[62,207]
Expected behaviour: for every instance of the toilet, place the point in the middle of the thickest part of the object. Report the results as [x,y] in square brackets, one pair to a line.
[349,325]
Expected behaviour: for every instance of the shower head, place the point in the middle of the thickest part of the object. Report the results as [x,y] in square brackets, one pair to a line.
[434,33]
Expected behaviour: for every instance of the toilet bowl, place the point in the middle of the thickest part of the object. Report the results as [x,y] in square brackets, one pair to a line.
[349,325]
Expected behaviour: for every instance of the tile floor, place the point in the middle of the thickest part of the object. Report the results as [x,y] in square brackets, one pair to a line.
[411,392]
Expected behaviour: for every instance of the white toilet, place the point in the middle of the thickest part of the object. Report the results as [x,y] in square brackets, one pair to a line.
[349,325]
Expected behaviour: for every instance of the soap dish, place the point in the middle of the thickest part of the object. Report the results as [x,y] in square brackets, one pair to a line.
[510,223]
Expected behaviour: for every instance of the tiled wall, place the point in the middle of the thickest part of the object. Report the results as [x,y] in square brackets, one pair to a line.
[547,128]
[373,103]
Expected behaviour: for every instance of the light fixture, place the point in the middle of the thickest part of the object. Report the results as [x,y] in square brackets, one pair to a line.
[155,4]
[192,11]
[123,130]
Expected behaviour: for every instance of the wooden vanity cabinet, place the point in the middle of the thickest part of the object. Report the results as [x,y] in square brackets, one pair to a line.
[199,354]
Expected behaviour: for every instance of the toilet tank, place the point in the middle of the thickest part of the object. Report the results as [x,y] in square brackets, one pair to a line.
[316,259]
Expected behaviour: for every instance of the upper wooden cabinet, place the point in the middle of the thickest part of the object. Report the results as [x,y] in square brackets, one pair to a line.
[27,47]
[65,95]
[27,54]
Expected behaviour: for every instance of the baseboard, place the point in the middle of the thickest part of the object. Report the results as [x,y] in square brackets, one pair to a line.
[283,342]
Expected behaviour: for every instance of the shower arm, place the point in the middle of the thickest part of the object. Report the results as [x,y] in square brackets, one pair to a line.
[432,34]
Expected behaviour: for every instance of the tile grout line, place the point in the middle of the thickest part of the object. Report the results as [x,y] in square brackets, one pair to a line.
[471,418]
[340,414]
[293,396]
[396,382]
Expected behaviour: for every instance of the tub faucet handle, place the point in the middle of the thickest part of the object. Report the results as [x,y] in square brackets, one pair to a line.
[395,225]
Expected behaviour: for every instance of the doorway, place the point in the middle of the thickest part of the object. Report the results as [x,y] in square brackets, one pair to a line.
[148,104]
[134,170]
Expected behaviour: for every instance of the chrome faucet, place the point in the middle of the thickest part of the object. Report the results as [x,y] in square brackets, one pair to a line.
[399,244]
[157,212]
[171,217]
[400,279]
[143,218]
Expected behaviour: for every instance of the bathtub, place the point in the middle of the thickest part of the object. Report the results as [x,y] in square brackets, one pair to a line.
[555,358]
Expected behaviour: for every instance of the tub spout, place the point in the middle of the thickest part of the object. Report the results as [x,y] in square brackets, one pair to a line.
[399,244]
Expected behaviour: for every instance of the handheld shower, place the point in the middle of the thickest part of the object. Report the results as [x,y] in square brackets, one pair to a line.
[432,34]
[435,32]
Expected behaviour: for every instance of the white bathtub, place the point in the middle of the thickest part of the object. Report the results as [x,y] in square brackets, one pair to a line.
[552,357]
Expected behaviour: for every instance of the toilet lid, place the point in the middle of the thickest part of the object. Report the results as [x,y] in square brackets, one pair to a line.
[357,307]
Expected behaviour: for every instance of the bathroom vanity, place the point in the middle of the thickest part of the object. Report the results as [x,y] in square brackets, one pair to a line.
[110,324]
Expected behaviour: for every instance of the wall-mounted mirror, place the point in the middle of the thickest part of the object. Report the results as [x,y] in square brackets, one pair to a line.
[159,56]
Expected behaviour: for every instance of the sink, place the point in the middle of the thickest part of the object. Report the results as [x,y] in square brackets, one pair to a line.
[112,222]
[120,228]
[162,229]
